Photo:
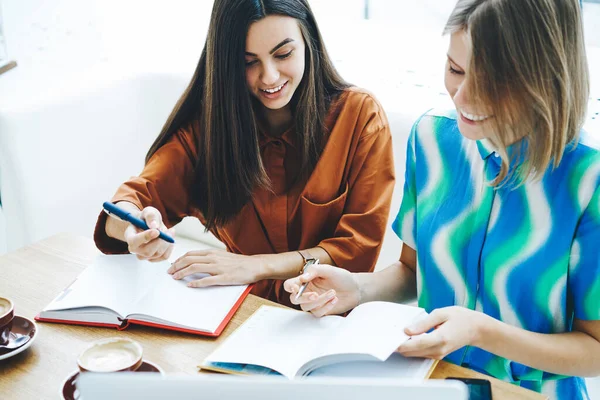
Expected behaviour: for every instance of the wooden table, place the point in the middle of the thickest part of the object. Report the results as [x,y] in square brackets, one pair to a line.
[34,275]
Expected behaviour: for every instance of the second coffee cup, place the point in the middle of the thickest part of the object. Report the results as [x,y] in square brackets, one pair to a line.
[7,314]
[111,355]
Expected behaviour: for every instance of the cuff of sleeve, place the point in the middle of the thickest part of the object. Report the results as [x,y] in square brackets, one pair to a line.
[405,236]
[105,243]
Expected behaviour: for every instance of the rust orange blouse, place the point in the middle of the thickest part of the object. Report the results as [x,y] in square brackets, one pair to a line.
[342,207]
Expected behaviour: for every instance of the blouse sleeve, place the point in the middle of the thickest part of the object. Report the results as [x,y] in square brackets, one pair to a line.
[405,223]
[584,265]
[358,236]
[164,184]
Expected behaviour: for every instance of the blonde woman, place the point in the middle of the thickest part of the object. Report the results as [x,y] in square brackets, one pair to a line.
[500,217]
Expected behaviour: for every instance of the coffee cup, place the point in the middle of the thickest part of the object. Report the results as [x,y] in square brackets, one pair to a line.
[111,355]
[7,314]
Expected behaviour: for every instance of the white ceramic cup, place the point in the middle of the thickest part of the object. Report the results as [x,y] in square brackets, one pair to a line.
[111,355]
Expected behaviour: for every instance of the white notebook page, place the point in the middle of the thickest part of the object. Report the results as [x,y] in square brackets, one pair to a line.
[375,328]
[115,282]
[171,300]
[134,287]
[277,338]
[202,308]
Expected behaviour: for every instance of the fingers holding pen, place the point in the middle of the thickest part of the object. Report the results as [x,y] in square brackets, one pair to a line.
[297,287]
[313,302]
[147,245]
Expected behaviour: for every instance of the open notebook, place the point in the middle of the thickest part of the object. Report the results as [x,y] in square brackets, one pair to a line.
[294,343]
[119,290]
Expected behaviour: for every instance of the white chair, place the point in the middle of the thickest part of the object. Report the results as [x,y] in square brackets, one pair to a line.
[60,160]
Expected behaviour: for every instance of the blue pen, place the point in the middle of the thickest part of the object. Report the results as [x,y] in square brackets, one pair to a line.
[112,209]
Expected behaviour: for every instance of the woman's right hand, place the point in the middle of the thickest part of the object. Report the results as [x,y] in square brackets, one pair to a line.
[330,290]
[145,243]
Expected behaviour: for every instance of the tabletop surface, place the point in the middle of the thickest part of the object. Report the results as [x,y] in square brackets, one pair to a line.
[32,276]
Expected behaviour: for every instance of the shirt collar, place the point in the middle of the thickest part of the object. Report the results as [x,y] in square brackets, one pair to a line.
[487,149]
[264,138]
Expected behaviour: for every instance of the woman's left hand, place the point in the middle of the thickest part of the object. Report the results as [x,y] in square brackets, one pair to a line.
[455,327]
[220,267]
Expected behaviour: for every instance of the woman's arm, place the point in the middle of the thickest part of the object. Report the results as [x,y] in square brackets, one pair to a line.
[574,353]
[396,283]
[235,269]
[115,227]
[287,265]
[144,243]
[333,290]
[161,191]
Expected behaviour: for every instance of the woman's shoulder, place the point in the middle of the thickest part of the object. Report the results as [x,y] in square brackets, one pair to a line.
[359,98]
[183,140]
[589,141]
[582,157]
[436,124]
[360,105]
[435,118]
[353,95]
[580,165]
[586,149]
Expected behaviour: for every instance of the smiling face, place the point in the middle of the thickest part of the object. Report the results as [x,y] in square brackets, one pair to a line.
[472,117]
[274,60]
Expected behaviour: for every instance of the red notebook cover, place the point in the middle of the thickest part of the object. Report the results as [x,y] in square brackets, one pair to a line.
[126,323]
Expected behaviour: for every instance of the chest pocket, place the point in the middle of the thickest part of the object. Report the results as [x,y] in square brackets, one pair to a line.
[319,220]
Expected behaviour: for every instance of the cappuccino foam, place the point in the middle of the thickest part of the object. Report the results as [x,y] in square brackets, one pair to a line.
[109,357]
[4,306]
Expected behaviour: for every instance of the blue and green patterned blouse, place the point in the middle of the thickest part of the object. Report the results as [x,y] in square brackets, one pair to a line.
[528,256]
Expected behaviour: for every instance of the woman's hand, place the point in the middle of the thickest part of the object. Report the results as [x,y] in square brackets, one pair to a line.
[331,290]
[219,267]
[146,244]
[455,327]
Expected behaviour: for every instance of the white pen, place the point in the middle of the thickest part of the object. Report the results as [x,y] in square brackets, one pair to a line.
[304,285]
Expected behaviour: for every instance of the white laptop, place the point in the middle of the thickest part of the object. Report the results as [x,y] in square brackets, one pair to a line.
[98,386]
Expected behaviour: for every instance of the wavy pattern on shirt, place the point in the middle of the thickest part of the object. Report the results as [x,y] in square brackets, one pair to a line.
[448,243]
[526,255]
[514,251]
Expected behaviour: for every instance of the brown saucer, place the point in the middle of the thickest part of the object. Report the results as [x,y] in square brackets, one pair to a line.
[21,326]
[69,390]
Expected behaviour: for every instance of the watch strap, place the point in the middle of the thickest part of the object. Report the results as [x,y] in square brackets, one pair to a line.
[308,260]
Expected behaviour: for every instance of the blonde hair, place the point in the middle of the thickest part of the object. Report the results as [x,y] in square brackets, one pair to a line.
[528,66]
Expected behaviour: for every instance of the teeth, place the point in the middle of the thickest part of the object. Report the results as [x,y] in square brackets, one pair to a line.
[274,90]
[474,117]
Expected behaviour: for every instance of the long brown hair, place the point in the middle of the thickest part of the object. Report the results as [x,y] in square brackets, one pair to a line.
[528,64]
[229,166]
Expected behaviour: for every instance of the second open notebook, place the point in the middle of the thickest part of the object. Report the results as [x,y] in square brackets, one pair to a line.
[119,290]
[294,343]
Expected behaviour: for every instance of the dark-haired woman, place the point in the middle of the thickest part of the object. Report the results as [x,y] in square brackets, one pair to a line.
[279,158]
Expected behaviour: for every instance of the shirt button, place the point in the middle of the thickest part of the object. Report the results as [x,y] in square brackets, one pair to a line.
[496,154]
